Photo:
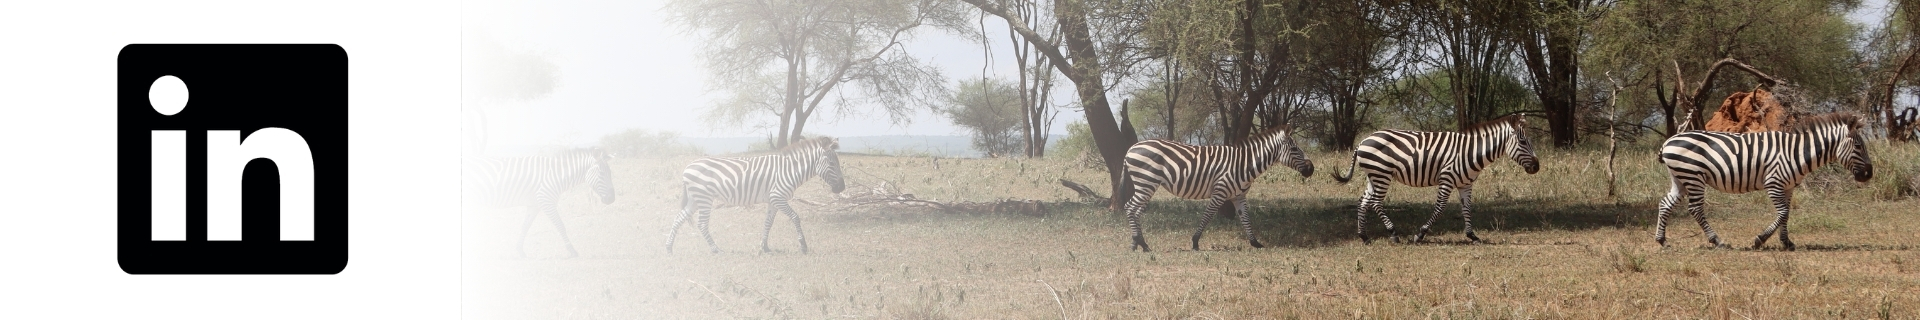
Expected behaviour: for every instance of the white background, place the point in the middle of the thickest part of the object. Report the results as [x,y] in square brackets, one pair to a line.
[58,177]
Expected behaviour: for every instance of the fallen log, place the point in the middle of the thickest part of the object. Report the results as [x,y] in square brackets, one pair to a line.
[1086,194]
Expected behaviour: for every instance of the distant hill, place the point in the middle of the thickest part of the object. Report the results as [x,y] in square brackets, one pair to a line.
[943,146]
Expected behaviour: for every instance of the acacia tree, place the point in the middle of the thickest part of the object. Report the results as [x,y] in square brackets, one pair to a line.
[493,76]
[990,108]
[1805,41]
[1080,63]
[785,57]
[1549,34]
[1035,79]
[1344,56]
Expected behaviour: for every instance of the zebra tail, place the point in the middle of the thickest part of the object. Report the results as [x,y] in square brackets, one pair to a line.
[1350,166]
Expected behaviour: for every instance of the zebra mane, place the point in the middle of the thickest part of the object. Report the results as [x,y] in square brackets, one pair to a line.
[1265,133]
[1516,119]
[1810,123]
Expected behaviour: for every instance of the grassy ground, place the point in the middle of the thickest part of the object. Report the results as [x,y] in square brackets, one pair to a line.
[1559,248]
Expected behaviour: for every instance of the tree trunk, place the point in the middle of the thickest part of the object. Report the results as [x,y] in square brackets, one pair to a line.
[1550,56]
[1084,70]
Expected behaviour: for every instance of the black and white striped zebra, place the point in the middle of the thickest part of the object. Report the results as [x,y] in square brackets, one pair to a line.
[536,182]
[1451,160]
[1221,174]
[1745,162]
[720,181]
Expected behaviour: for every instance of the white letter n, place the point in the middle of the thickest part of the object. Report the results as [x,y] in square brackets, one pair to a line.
[226,163]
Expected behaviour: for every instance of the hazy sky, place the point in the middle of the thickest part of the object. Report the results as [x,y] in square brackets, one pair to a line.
[622,66]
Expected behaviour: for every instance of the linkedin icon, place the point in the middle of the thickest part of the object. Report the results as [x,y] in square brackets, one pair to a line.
[232,158]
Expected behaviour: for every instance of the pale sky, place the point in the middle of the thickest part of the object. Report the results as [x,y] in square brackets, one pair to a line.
[621,65]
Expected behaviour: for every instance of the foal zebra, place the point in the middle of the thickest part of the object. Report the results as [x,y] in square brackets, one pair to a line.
[536,182]
[1219,173]
[718,182]
[1745,162]
[1450,160]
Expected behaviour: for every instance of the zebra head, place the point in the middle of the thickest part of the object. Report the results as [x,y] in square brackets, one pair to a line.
[600,176]
[1296,158]
[1854,150]
[1519,147]
[828,165]
[1276,143]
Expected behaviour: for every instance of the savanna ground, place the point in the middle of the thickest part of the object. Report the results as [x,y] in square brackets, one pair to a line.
[1559,247]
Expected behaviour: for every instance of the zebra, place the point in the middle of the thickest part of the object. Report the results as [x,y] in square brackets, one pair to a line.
[537,182]
[715,182]
[1745,162]
[1451,160]
[1219,173]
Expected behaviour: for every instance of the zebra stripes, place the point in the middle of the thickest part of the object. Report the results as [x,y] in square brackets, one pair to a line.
[718,182]
[536,182]
[1450,160]
[1219,173]
[1745,162]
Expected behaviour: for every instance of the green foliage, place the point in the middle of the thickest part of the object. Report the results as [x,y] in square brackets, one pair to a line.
[640,143]
[1193,122]
[1423,101]
[991,109]
[1079,141]
[1807,42]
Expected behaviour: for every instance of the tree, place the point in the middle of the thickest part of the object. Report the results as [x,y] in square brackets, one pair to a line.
[1036,81]
[1193,118]
[785,57]
[1549,36]
[1080,64]
[492,76]
[1805,41]
[991,109]
[1344,56]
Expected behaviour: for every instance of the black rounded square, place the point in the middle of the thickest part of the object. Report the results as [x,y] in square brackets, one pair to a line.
[244,87]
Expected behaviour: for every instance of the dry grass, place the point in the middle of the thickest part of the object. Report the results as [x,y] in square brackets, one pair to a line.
[1560,248]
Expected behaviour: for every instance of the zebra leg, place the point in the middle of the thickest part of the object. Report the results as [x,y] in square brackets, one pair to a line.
[1371,200]
[1246,224]
[766,233]
[675,230]
[796,226]
[1697,206]
[705,232]
[1466,212]
[1439,204]
[1378,207]
[1666,208]
[1213,208]
[554,214]
[1134,207]
[1782,201]
[525,225]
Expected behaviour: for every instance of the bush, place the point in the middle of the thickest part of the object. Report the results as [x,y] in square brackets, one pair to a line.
[639,143]
[1077,145]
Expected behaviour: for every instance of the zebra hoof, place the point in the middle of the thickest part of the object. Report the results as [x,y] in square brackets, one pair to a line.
[1256,244]
[1788,245]
[1473,239]
[1661,240]
[1365,240]
[1140,242]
